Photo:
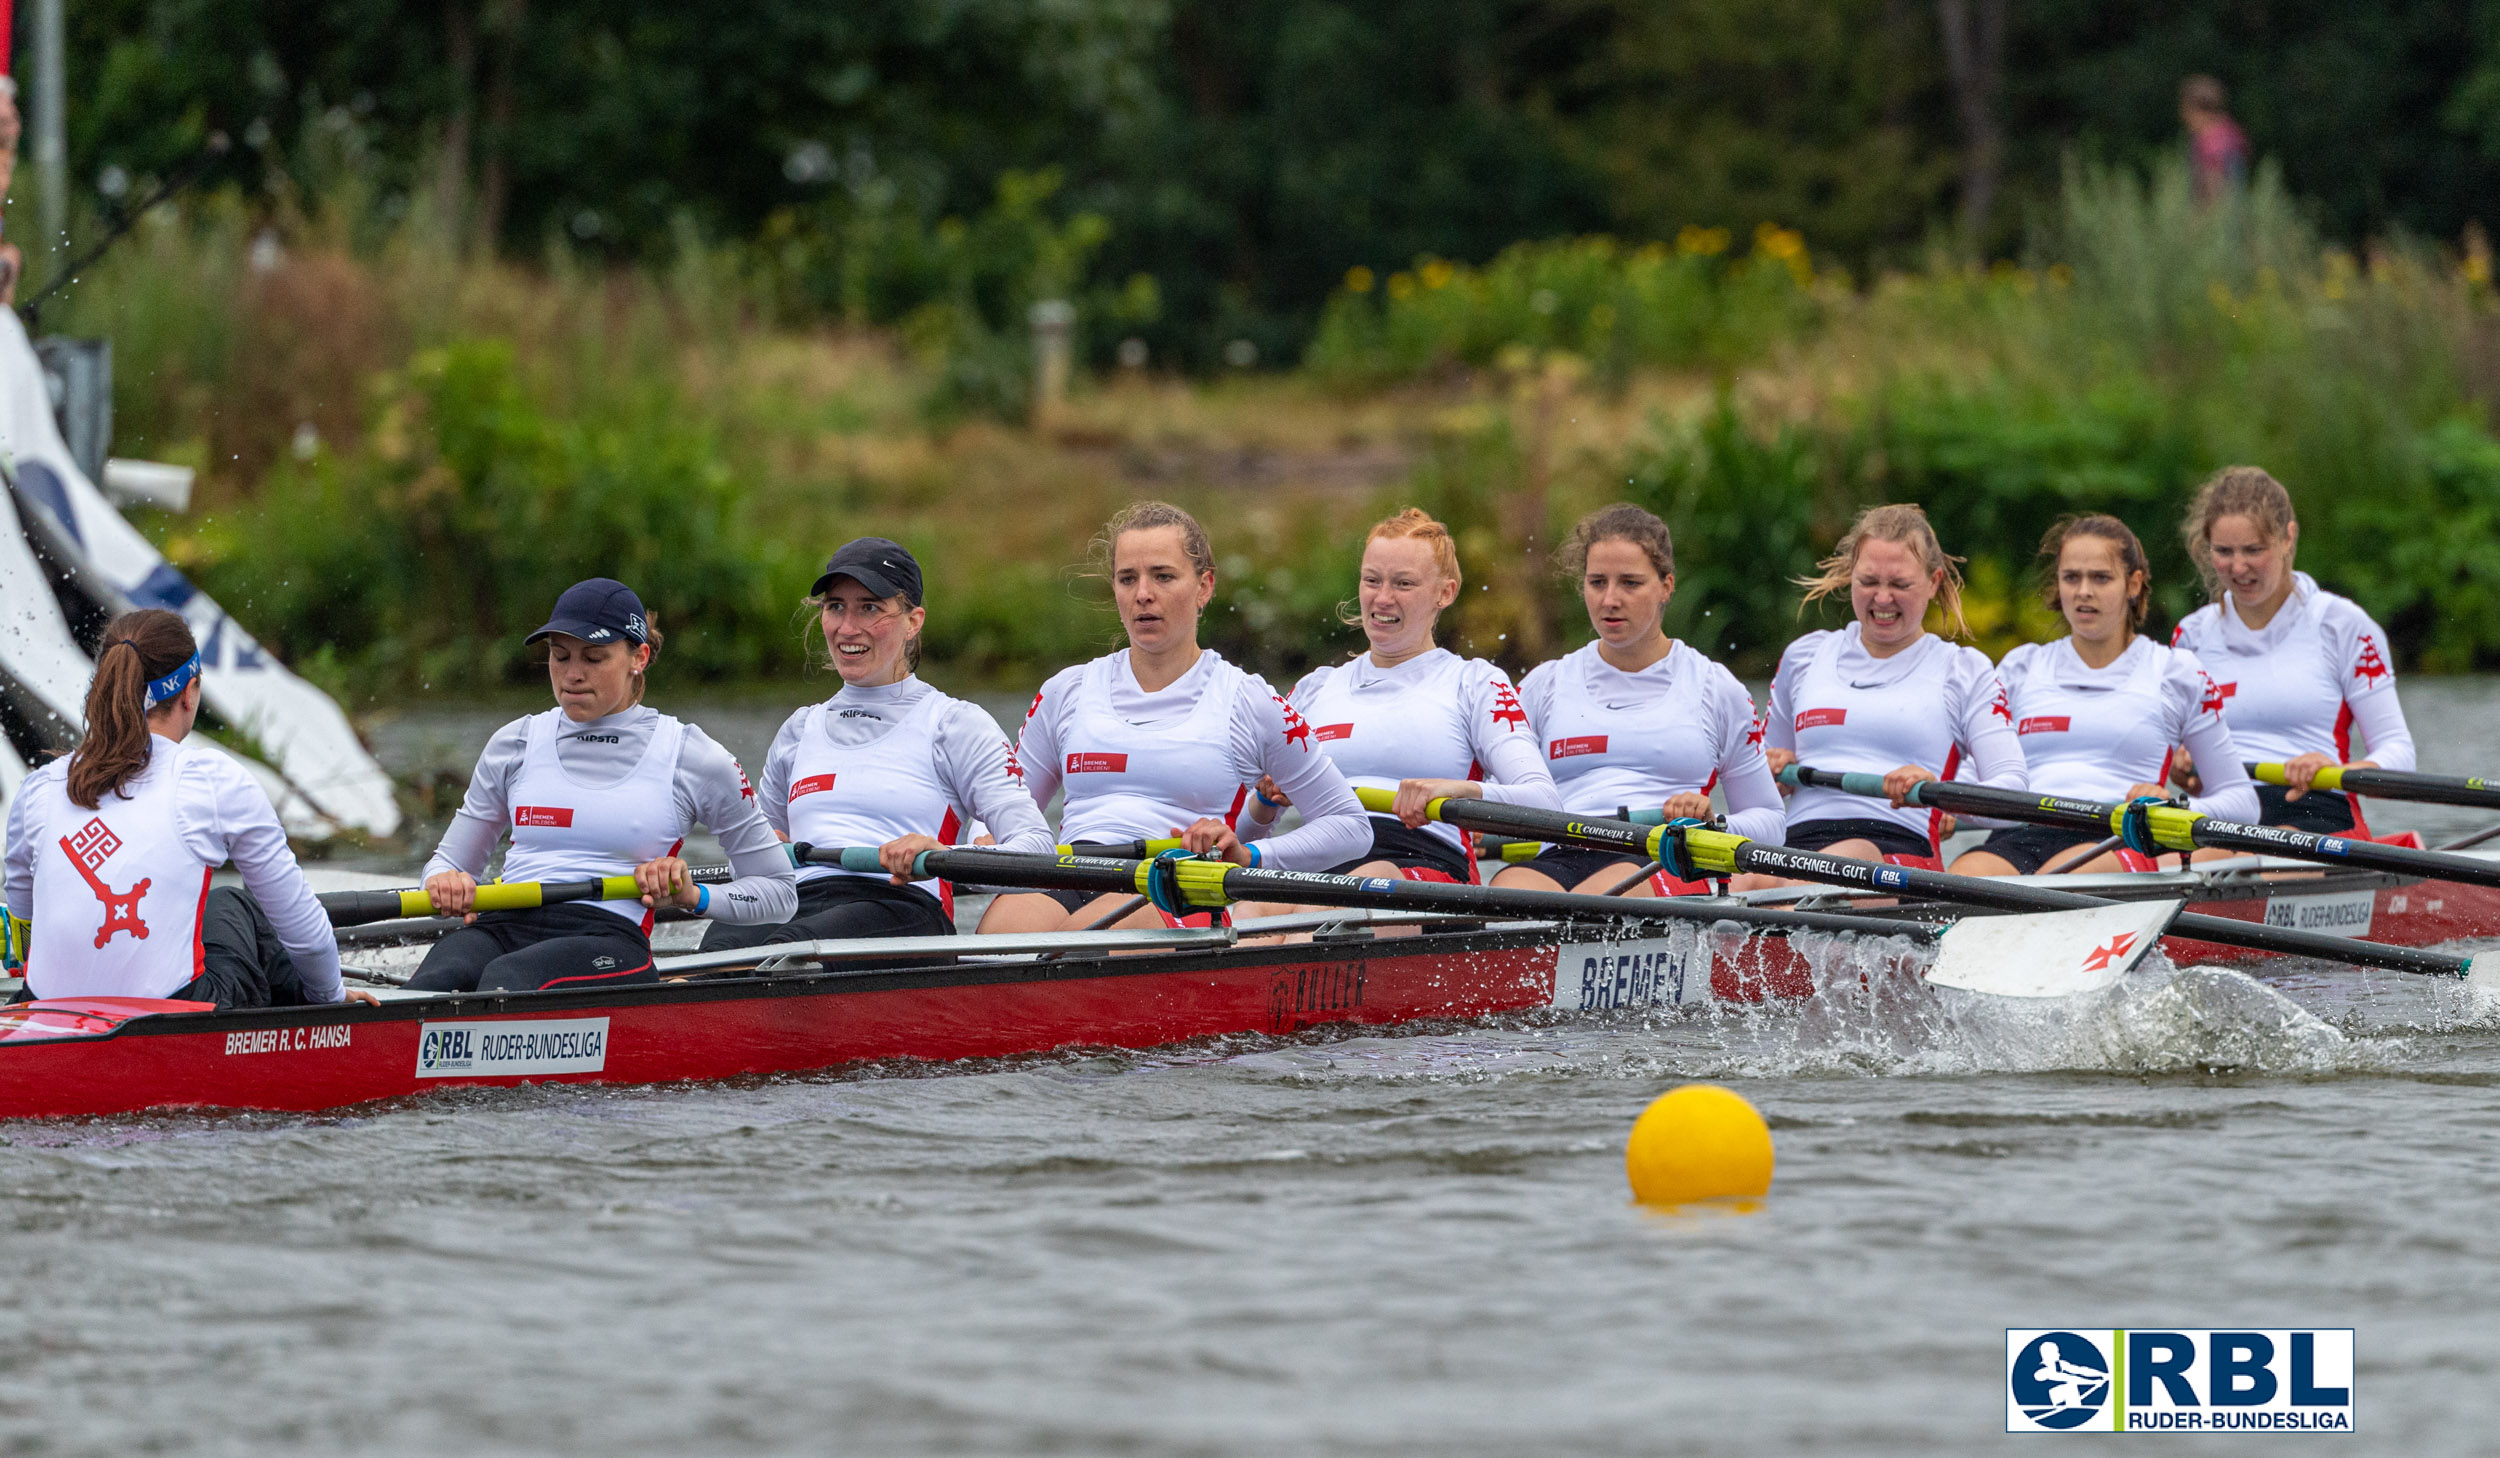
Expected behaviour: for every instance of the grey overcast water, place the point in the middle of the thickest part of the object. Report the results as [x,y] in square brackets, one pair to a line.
[1395,1243]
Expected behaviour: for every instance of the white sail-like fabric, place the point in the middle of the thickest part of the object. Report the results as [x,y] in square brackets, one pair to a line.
[322,779]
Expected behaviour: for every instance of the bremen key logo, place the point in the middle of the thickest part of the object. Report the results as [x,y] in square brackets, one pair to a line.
[88,850]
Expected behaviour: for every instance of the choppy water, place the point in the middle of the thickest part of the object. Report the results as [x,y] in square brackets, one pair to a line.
[1399,1243]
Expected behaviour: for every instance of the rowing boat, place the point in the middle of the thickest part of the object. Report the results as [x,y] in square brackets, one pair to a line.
[832,1004]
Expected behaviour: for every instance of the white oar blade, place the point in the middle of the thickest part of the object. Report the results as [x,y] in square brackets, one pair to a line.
[2482,979]
[2049,953]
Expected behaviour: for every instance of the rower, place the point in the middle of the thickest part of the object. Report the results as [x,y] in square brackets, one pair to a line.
[1636,718]
[2298,667]
[1165,738]
[887,761]
[1885,696]
[600,785]
[112,846]
[2100,711]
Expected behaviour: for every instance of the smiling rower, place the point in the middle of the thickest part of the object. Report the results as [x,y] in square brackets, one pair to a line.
[2299,668]
[2101,710]
[1165,738]
[887,761]
[1637,719]
[600,785]
[1885,696]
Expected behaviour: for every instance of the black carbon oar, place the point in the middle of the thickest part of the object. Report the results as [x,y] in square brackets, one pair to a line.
[1707,852]
[2471,790]
[2168,827]
[359,908]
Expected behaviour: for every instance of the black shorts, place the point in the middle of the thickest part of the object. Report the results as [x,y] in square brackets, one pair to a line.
[832,908]
[1889,838]
[1567,866]
[1076,901]
[1415,850]
[2029,847]
[571,944]
[2320,812]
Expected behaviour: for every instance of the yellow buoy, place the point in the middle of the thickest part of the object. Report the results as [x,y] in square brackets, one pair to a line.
[1698,1142]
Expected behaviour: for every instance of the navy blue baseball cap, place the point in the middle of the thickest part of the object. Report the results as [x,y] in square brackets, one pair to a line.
[601,610]
[884,567]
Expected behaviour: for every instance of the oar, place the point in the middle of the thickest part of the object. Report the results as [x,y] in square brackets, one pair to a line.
[1703,851]
[1126,850]
[2148,825]
[2383,784]
[1969,953]
[355,908]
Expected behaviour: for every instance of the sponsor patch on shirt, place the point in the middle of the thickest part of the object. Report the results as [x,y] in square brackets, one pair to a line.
[1326,732]
[1577,744]
[558,816]
[2045,724]
[1097,764]
[810,785]
[1822,718]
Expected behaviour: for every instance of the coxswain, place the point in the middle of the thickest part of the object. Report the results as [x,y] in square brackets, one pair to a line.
[2299,668]
[1885,696]
[887,761]
[1413,718]
[1636,719]
[600,785]
[1165,739]
[2102,711]
[111,848]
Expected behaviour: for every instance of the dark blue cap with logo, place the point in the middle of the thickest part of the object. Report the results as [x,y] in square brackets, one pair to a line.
[602,610]
[883,567]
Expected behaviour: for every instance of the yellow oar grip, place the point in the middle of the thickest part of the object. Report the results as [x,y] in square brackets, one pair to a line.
[1384,802]
[1522,850]
[1711,850]
[2329,777]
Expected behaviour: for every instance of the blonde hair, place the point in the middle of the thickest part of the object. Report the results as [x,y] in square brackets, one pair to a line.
[1146,516]
[1904,524]
[1621,522]
[2233,491]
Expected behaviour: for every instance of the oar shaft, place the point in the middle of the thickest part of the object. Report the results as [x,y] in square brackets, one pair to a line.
[2392,784]
[357,908]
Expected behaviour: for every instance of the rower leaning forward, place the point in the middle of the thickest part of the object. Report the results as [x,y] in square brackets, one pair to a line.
[600,785]
[888,761]
[112,847]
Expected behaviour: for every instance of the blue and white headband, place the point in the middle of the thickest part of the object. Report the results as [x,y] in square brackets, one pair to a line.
[175,682]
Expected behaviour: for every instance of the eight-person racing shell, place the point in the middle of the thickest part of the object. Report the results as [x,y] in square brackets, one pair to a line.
[1617,740]
[872,765]
[2301,685]
[598,799]
[1138,765]
[1933,704]
[2095,733]
[1436,716]
[119,895]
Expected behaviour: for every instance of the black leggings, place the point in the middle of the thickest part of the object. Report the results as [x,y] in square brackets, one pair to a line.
[832,908]
[570,945]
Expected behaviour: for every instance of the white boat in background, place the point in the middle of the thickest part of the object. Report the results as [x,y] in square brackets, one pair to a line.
[321,778]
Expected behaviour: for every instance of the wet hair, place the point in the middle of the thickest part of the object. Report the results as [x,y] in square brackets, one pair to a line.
[815,602]
[139,648]
[1621,522]
[1146,516]
[1904,524]
[2233,491]
[2131,559]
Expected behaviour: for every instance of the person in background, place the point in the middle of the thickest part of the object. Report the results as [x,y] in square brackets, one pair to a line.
[2217,148]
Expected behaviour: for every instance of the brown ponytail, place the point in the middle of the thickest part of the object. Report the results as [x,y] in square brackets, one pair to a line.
[138,648]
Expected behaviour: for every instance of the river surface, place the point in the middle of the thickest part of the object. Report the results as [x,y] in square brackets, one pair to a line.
[1394,1243]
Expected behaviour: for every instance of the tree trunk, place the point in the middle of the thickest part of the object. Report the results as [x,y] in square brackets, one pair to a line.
[1974,56]
[495,181]
[451,180]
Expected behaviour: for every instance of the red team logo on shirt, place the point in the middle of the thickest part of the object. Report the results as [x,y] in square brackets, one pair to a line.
[88,848]
[810,785]
[1755,729]
[2214,694]
[745,790]
[2369,667]
[1507,711]
[1015,766]
[1296,731]
[1097,764]
[1821,718]
[552,816]
[1327,732]
[1578,745]
[2045,724]
[2001,708]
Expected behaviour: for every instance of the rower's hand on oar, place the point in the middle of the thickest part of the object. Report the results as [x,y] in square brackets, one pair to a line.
[452,893]
[1687,806]
[1902,781]
[1270,801]
[664,881]
[897,855]
[2299,771]
[1777,760]
[2183,773]
[2137,792]
[1211,834]
[1415,797]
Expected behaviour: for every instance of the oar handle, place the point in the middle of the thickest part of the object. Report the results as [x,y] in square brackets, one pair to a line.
[1848,782]
[357,908]
[2386,784]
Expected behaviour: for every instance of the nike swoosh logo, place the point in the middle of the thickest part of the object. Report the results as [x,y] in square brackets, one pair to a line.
[1620,707]
[1877,684]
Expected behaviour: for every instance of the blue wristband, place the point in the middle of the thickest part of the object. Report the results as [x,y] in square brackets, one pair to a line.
[702,900]
[1262,798]
[1255,857]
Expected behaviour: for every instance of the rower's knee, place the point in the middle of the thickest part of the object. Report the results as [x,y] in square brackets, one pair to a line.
[1982,863]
